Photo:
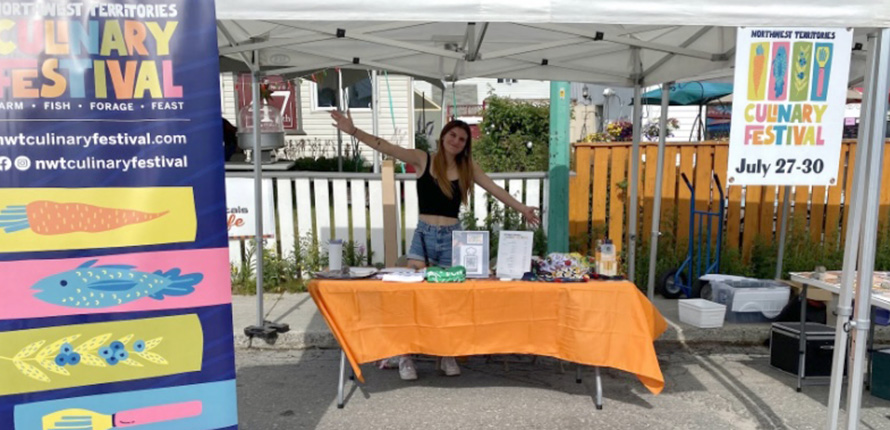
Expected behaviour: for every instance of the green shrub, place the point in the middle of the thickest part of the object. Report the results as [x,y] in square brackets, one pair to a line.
[539,246]
[279,274]
[669,256]
[882,252]
[324,164]
[502,219]
[508,128]
[421,142]
[354,254]
[308,256]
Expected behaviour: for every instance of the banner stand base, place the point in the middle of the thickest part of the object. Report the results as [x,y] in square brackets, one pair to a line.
[268,331]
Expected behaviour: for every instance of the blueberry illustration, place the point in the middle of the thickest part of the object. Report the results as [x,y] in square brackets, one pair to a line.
[139,346]
[122,355]
[66,348]
[112,360]
[61,359]
[74,359]
[105,352]
[117,345]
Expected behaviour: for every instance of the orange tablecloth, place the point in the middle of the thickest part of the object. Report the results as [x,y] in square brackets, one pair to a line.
[609,324]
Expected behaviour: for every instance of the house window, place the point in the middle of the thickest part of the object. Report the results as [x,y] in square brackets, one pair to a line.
[357,90]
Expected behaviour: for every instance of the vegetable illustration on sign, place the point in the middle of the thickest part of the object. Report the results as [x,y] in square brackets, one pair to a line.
[51,218]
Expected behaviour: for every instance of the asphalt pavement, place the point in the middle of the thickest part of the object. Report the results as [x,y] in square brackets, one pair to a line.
[707,387]
[714,379]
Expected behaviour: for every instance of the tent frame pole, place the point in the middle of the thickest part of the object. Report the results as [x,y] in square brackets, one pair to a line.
[375,116]
[854,245]
[877,89]
[340,109]
[633,182]
[656,202]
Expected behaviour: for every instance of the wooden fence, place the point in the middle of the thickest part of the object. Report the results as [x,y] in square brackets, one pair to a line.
[602,176]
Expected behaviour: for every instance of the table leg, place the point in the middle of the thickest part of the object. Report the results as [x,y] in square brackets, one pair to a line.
[599,388]
[578,374]
[802,346]
[341,382]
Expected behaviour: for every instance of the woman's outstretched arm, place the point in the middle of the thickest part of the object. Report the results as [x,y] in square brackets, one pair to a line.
[414,157]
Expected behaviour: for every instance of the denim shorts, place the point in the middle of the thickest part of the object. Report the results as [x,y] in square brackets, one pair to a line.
[437,239]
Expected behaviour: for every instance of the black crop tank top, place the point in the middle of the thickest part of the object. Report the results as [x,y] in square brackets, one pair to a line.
[432,200]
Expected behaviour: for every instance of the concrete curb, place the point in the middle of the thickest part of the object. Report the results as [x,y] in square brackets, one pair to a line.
[308,329]
[290,340]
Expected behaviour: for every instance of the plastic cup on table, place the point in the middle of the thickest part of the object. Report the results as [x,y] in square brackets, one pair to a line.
[335,255]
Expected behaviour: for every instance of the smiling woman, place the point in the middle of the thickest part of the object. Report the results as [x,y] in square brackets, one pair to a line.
[443,185]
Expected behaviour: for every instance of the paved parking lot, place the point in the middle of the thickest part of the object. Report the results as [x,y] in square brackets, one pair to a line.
[707,387]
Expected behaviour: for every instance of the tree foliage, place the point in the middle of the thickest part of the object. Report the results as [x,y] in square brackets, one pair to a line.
[515,136]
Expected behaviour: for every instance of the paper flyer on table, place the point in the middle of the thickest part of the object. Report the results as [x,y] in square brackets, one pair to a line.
[514,253]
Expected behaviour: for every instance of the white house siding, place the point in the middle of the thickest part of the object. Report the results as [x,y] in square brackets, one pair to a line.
[227,97]
[321,137]
[584,122]
[522,89]
[686,115]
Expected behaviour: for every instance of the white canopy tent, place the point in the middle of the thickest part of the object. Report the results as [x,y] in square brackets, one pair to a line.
[449,51]
[852,13]
[629,43]
[602,53]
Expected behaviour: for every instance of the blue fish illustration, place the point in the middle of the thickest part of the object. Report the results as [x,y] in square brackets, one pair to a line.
[779,69]
[90,286]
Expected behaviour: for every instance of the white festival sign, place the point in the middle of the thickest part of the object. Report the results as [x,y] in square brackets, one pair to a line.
[788,107]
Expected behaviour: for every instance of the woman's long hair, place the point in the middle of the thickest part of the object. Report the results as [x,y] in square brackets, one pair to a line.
[464,162]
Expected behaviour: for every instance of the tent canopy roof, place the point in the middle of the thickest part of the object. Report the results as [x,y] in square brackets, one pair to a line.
[787,13]
[549,40]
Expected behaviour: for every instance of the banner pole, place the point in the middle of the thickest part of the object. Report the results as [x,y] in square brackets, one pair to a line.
[258,194]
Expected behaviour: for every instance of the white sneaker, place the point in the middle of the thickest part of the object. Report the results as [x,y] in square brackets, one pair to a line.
[407,371]
[449,366]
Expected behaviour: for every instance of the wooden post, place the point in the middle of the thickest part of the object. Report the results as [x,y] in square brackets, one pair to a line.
[558,204]
[390,218]
[579,192]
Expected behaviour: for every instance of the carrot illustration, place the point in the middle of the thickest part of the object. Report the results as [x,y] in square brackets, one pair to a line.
[759,59]
[50,218]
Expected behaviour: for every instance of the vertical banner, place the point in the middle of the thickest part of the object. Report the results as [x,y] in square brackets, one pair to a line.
[788,113]
[116,302]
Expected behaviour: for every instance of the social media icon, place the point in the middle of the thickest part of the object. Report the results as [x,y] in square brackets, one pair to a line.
[5,164]
[22,163]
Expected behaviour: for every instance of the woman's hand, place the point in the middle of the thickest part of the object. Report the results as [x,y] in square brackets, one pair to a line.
[531,216]
[344,122]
